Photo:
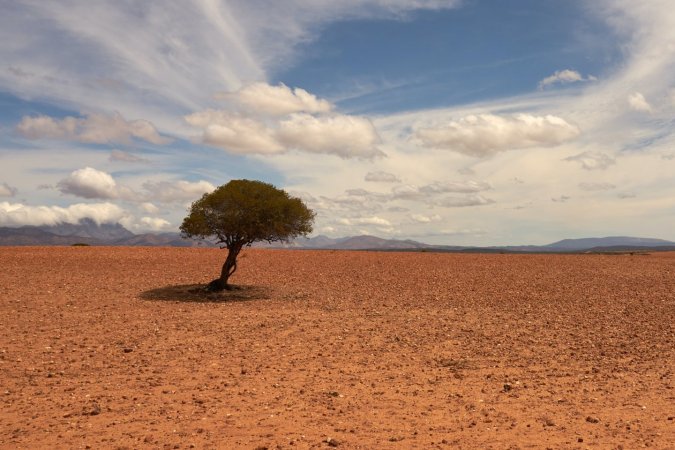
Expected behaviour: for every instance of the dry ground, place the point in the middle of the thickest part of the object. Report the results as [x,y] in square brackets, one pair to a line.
[111,348]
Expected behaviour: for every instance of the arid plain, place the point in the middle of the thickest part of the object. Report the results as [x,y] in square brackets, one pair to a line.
[104,347]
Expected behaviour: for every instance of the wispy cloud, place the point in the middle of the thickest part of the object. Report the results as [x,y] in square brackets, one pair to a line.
[381,177]
[7,191]
[122,156]
[591,186]
[92,129]
[593,160]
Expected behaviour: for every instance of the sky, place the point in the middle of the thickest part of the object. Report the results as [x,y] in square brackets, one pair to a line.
[458,122]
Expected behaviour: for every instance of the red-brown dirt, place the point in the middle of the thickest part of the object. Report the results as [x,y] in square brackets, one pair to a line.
[110,348]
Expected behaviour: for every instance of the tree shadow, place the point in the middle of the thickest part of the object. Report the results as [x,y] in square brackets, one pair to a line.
[197,293]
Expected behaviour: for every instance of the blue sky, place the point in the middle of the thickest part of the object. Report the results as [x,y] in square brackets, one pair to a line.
[467,122]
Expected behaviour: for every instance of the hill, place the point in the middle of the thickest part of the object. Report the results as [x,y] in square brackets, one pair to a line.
[611,241]
[91,233]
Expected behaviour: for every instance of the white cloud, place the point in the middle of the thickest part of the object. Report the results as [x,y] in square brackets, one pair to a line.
[235,133]
[406,192]
[637,102]
[129,58]
[93,129]
[564,77]
[463,232]
[382,177]
[421,218]
[280,100]
[465,187]
[593,160]
[378,221]
[458,202]
[154,224]
[177,191]
[591,186]
[358,192]
[338,134]
[341,135]
[484,135]
[17,214]
[7,191]
[142,58]
[149,208]
[121,156]
[89,183]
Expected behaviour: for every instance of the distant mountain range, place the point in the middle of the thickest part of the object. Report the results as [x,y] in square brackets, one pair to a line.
[90,233]
[613,243]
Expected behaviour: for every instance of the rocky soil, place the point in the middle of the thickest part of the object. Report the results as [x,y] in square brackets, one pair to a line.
[117,348]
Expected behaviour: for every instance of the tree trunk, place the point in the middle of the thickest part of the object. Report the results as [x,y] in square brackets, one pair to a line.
[229,267]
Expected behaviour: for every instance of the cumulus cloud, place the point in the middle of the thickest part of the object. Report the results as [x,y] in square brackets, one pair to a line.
[484,135]
[7,191]
[149,208]
[121,156]
[235,133]
[154,224]
[177,191]
[637,102]
[264,119]
[564,77]
[596,186]
[561,199]
[338,134]
[341,135]
[92,129]
[89,183]
[382,177]
[280,100]
[18,214]
[592,160]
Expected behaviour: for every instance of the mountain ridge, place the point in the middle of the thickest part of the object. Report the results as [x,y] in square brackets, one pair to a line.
[90,233]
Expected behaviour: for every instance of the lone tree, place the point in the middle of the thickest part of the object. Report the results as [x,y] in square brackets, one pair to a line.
[242,212]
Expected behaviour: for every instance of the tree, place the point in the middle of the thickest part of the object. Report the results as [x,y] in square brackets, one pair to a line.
[242,212]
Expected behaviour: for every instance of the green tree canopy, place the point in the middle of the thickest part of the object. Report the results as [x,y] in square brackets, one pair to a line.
[242,212]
